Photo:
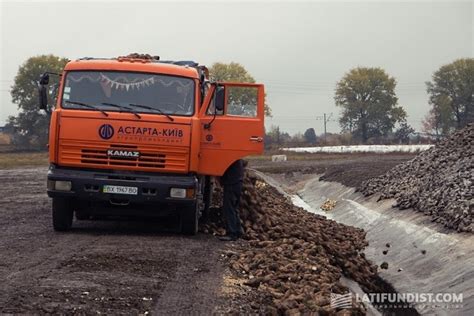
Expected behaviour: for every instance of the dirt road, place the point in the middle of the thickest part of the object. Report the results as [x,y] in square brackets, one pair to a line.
[124,267]
[113,267]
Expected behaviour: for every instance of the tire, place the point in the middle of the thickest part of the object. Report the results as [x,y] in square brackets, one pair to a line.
[62,214]
[189,220]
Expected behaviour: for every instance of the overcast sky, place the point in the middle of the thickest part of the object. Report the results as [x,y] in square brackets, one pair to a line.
[299,50]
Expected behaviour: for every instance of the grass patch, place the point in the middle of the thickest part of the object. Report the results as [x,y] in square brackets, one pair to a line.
[23,159]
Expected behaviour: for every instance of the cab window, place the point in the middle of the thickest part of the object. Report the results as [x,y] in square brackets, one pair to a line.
[240,101]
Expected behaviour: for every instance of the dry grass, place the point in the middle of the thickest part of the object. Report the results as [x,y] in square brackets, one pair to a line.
[23,159]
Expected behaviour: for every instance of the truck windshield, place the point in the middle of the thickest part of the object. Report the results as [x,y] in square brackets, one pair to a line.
[159,93]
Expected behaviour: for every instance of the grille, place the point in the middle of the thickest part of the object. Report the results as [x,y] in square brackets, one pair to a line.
[92,156]
[151,157]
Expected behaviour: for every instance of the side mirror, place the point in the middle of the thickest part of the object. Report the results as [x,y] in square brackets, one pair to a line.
[44,79]
[43,97]
[220,99]
[43,92]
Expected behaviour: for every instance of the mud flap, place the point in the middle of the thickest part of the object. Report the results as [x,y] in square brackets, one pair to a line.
[62,214]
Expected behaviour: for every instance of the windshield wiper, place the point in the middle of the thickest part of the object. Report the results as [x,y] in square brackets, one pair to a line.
[123,107]
[153,109]
[87,106]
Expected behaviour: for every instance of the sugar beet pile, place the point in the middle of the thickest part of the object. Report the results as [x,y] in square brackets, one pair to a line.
[438,182]
[293,257]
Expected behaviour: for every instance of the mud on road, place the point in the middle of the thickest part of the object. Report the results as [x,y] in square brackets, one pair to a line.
[113,267]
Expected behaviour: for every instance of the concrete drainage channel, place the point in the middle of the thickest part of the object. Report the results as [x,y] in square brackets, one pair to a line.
[421,258]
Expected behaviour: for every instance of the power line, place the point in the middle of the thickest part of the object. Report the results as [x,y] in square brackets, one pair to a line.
[326,118]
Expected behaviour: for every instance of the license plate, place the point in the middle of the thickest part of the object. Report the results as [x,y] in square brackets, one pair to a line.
[117,189]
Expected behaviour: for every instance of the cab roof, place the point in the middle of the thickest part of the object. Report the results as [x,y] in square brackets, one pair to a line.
[183,69]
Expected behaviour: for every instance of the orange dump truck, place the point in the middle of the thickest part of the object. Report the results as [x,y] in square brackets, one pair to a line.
[140,136]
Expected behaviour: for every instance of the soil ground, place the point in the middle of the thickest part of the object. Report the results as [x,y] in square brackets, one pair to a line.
[130,267]
[348,169]
[113,267]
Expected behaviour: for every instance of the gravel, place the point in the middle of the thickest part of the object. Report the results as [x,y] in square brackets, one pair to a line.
[437,182]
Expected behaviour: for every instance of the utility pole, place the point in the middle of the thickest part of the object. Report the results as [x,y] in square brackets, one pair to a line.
[326,118]
[325,130]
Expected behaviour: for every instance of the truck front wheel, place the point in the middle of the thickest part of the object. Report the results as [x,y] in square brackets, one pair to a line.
[62,214]
[189,220]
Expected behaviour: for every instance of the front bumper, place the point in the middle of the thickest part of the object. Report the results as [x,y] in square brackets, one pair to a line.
[87,185]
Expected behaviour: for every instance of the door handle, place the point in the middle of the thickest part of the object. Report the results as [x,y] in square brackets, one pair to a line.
[257,139]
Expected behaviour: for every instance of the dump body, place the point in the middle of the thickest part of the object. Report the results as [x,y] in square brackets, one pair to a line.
[142,137]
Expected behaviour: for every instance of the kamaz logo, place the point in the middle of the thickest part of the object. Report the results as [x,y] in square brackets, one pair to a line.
[123,153]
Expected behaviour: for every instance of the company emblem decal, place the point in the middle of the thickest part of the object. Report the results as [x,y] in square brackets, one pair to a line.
[106,131]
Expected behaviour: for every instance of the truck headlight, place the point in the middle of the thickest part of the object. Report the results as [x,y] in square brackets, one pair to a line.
[59,185]
[181,193]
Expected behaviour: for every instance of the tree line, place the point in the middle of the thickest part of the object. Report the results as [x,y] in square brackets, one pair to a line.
[370,112]
[276,138]
[370,106]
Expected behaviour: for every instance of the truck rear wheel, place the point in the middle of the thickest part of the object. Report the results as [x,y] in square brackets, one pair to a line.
[62,214]
[189,220]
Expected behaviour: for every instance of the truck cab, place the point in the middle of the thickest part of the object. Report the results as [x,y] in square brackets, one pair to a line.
[137,136]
